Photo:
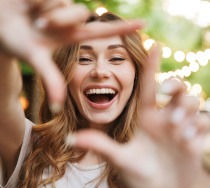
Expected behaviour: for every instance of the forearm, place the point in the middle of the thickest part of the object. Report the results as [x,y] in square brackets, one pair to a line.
[10,81]
[11,113]
[12,119]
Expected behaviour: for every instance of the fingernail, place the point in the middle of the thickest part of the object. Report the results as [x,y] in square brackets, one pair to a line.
[177,116]
[55,107]
[70,140]
[189,132]
[166,88]
[41,23]
[163,99]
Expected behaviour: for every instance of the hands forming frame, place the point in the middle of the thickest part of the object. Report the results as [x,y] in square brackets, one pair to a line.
[166,148]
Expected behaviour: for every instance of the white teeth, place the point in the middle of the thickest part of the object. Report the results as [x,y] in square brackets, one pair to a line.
[100,91]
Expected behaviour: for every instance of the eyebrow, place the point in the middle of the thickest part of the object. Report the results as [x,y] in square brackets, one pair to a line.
[110,47]
[86,47]
[115,46]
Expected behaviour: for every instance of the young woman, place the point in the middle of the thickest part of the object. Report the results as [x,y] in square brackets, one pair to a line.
[101,76]
[104,91]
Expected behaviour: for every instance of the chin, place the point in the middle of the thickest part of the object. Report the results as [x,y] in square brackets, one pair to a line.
[101,123]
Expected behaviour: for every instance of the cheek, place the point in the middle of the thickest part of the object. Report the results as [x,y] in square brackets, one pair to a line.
[78,78]
[127,76]
[75,84]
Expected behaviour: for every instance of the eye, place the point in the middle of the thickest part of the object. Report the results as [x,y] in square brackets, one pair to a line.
[85,60]
[117,60]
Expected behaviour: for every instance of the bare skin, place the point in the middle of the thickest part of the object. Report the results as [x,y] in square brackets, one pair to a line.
[38,37]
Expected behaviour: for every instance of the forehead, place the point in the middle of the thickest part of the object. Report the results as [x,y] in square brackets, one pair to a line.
[103,42]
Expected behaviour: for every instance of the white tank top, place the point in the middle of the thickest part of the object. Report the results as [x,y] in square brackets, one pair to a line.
[80,176]
[76,175]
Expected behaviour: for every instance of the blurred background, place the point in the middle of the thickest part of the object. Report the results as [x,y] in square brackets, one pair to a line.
[181,27]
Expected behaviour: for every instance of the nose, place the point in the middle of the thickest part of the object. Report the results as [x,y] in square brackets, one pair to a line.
[100,73]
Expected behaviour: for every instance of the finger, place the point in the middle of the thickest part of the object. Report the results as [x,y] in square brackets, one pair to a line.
[54,4]
[186,108]
[100,143]
[43,5]
[174,89]
[192,137]
[203,123]
[53,80]
[190,104]
[194,126]
[155,130]
[196,130]
[90,31]
[34,2]
[149,86]
[63,17]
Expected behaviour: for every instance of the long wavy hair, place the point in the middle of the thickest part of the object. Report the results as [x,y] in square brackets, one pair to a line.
[48,147]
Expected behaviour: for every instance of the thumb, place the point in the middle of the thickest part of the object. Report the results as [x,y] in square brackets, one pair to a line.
[149,85]
[99,142]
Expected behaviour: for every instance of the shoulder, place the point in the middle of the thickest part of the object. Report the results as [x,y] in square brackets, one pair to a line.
[25,148]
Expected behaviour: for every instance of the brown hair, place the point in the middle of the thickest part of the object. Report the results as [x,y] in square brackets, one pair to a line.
[48,146]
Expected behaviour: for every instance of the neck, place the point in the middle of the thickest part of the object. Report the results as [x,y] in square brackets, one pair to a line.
[91,158]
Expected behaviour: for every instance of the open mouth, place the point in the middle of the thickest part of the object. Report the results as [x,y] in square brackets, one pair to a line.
[100,96]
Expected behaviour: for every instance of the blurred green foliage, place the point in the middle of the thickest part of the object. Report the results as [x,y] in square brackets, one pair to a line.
[160,26]
[174,32]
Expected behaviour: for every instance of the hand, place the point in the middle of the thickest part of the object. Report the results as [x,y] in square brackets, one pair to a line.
[166,148]
[32,29]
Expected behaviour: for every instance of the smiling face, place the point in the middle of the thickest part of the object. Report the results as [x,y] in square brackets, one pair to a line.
[103,80]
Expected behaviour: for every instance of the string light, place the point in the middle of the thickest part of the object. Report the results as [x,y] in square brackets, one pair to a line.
[188,84]
[101,10]
[148,43]
[207,53]
[194,66]
[190,57]
[195,60]
[179,56]
[202,59]
[197,88]
[166,52]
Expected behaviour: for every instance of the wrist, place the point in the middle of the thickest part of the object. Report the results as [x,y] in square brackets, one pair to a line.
[4,52]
